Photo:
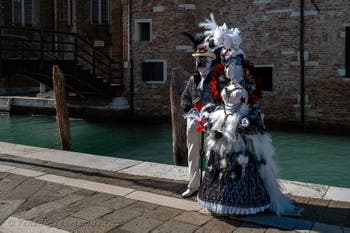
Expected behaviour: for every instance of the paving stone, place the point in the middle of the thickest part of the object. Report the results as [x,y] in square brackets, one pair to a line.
[95,199]
[333,219]
[47,207]
[54,178]
[347,223]
[174,226]
[158,170]
[3,175]
[163,213]
[338,194]
[303,189]
[83,160]
[118,230]
[25,190]
[141,224]
[41,197]
[274,230]
[15,225]
[84,192]
[69,223]
[339,208]
[324,228]
[318,202]
[117,202]
[92,212]
[10,182]
[143,206]
[193,218]
[281,222]
[5,168]
[99,187]
[122,216]
[51,217]
[96,226]
[165,200]
[251,228]
[3,194]
[15,149]
[26,172]
[219,225]
[7,207]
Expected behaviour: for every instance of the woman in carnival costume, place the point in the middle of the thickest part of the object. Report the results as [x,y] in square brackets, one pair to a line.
[241,174]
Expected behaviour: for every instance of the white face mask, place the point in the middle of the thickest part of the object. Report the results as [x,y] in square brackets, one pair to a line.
[227,43]
[204,70]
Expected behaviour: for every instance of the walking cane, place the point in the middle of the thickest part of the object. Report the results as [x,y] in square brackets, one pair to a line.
[201,154]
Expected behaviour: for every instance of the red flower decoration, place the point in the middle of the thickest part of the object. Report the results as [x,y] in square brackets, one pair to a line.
[201,124]
[218,71]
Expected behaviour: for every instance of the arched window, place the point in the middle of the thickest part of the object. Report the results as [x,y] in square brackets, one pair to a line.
[23,13]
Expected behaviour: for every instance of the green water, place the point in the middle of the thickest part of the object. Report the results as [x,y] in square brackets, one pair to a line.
[303,157]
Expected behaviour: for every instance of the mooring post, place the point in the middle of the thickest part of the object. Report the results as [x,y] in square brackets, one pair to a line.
[61,107]
[177,86]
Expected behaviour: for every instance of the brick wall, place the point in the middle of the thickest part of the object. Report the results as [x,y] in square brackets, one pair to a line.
[169,19]
[270,31]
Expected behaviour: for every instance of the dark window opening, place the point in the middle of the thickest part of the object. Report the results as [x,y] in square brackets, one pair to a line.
[153,71]
[347,52]
[144,31]
[70,12]
[22,11]
[265,73]
[99,11]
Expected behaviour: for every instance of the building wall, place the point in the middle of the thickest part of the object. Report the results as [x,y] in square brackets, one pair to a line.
[53,15]
[270,31]
[169,19]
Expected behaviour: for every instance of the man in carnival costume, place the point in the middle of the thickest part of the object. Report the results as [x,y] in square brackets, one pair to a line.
[203,88]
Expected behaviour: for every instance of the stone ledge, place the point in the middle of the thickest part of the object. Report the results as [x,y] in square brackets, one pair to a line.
[156,170]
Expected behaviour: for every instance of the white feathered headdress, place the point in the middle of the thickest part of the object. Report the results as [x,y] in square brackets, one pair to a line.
[234,34]
[213,31]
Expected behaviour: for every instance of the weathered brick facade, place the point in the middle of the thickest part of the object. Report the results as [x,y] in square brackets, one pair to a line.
[270,30]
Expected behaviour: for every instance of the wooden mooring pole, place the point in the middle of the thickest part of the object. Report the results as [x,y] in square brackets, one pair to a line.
[177,86]
[59,86]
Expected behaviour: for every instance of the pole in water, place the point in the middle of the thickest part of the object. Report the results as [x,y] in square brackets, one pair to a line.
[59,85]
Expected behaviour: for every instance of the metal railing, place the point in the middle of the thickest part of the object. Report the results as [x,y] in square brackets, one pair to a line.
[42,45]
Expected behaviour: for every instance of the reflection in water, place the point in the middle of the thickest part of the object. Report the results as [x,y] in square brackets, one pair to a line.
[303,157]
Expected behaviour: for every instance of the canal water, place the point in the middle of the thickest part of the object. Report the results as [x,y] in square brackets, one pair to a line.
[313,158]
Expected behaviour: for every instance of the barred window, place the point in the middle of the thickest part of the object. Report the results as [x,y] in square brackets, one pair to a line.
[23,13]
[100,11]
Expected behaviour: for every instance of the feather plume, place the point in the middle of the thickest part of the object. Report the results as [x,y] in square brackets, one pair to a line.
[209,24]
[195,41]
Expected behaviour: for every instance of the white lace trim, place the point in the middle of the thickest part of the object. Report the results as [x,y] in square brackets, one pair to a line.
[223,209]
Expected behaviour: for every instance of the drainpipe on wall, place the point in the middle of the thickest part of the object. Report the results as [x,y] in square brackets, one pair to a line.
[131,101]
[302,66]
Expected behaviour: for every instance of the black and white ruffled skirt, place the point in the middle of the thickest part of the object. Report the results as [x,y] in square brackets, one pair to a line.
[232,185]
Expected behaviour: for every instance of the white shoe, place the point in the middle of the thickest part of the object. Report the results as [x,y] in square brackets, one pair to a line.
[189,192]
